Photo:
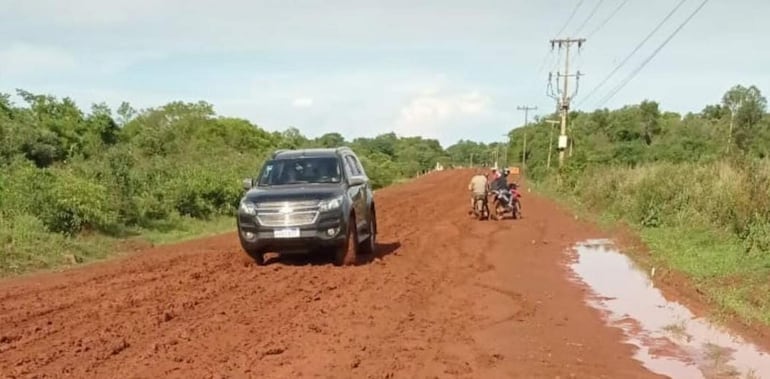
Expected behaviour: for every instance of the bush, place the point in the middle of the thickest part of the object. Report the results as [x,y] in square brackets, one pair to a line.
[73,204]
[25,243]
[730,197]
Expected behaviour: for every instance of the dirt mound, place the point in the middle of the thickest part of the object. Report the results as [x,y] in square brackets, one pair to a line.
[446,296]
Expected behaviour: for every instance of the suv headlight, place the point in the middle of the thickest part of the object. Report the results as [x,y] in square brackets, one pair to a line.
[248,208]
[330,204]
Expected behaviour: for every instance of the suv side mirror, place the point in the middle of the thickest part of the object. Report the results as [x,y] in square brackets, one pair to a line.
[247,184]
[357,181]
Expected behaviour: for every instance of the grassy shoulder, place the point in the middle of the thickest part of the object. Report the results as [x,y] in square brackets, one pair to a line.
[728,265]
[28,247]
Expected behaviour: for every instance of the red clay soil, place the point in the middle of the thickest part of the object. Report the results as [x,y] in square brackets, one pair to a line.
[446,296]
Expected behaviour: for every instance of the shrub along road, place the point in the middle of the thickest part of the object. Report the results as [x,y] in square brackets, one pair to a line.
[446,296]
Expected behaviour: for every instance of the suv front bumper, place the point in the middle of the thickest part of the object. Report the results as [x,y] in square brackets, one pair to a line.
[329,231]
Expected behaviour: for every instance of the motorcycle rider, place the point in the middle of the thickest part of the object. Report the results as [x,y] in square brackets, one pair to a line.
[501,186]
[478,187]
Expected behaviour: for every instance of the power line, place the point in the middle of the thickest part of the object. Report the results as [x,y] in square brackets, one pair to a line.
[566,23]
[545,61]
[654,53]
[570,17]
[638,46]
[590,16]
[606,20]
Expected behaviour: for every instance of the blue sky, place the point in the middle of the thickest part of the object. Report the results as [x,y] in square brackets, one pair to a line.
[442,69]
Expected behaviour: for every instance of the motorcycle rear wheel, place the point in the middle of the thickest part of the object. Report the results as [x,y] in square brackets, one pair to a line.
[499,210]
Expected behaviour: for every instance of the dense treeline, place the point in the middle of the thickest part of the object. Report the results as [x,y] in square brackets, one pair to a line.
[64,171]
[643,133]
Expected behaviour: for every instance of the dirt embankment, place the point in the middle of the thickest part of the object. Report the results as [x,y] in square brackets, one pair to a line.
[446,296]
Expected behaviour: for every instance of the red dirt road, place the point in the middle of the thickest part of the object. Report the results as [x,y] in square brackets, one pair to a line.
[447,296]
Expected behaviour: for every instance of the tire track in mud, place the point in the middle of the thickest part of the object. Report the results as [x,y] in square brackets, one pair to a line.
[446,296]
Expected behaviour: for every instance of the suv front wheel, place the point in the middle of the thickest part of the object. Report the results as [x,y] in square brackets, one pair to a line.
[256,255]
[369,246]
[345,255]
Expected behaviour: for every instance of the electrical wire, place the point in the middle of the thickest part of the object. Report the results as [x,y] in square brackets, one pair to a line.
[572,15]
[654,53]
[566,23]
[606,20]
[590,16]
[545,61]
[638,46]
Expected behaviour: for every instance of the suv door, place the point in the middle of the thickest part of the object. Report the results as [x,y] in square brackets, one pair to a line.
[357,192]
[368,194]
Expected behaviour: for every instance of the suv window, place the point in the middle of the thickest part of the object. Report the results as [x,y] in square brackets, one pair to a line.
[355,170]
[300,170]
[358,164]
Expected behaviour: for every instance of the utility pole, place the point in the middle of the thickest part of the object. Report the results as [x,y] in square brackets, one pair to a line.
[550,140]
[526,110]
[505,150]
[564,96]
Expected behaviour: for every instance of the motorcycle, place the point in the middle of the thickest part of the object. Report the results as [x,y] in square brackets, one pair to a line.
[502,206]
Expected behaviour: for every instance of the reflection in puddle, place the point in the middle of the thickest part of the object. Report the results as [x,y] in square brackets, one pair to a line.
[670,339]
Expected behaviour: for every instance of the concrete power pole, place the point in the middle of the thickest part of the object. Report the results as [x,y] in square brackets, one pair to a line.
[563,91]
[526,110]
[550,140]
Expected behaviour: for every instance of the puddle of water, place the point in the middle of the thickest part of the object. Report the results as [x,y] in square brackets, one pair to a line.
[670,339]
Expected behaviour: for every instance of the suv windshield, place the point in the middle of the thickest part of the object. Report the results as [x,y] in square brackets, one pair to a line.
[300,170]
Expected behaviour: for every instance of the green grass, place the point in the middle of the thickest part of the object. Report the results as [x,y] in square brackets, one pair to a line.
[718,238]
[27,246]
[188,229]
[717,264]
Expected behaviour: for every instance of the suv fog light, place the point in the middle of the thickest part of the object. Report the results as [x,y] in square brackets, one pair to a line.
[249,235]
[331,232]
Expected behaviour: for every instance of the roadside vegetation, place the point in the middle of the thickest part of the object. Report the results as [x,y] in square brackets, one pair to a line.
[696,187]
[74,183]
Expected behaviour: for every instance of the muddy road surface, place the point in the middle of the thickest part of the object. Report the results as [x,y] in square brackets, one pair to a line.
[445,296]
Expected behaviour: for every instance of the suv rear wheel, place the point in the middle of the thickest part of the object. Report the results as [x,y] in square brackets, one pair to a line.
[346,255]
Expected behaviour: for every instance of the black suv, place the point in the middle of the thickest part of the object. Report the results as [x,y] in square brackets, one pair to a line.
[308,201]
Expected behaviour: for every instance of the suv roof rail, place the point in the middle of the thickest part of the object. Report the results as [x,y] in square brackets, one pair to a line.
[339,149]
[279,151]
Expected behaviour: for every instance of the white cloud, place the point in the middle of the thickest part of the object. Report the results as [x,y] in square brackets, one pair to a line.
[302,102]
[24,59]
[438,113]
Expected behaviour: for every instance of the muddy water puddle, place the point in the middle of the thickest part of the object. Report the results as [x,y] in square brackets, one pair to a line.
[671,341]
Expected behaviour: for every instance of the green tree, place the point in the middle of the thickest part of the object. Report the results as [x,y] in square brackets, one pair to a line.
[747,107]
[330,140]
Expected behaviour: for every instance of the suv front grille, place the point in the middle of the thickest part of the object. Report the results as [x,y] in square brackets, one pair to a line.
[295,213]
[289,219]
[275,205]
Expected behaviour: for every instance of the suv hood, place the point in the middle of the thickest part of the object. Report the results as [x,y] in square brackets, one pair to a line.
[294,192]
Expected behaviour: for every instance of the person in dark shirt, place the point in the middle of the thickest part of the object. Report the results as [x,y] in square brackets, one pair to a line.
[501,185]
